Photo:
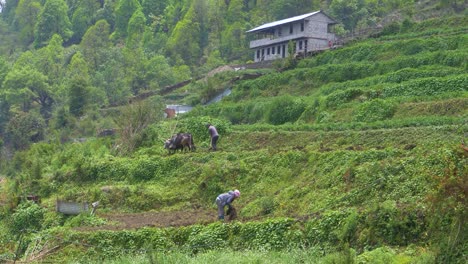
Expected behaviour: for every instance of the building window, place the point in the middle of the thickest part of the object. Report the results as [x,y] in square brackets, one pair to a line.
[258,54]
[279,49]
[268,51]
[290,28]
[302,26]
[279,32]
[300,45]
[273,50]
[263,54]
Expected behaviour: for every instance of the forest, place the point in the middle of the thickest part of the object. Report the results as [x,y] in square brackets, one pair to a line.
[357,154]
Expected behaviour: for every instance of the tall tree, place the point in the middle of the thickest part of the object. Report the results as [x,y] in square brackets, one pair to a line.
[4,105]
[134,119]
[136,28]
[50,60]
[25,85]
[26,17]
[25,128]
[78,85]
[124,11]
[95,43]
[349,12]
[110,77]
[8,38]
[189,35]
[153,7]
[83,17]
[159,71]
[53,19]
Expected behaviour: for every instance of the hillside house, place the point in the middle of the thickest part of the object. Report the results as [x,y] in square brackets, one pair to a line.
[308,32]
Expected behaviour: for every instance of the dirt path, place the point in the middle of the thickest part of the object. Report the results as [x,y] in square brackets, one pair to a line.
[121,221]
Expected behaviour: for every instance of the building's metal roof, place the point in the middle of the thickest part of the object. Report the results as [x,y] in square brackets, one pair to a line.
[285,21]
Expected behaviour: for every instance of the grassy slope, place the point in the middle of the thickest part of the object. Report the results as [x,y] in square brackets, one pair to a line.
[331,165]
[293,168]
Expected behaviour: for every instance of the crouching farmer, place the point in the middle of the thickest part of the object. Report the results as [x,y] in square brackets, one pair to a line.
[226,199]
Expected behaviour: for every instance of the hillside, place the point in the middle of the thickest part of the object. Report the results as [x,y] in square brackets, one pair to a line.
[355,155]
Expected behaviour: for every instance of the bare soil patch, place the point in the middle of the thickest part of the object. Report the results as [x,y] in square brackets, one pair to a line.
[121,221]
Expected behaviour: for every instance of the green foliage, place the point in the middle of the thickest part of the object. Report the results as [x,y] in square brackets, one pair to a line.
[28,217]
[84,219]
[284,109]
[133,120]
[24,129]
[427,86]
[53,19]
[197,126]
[123,13]
[26,15]
[374,110]
[359,144]
[79,85]
[146,169]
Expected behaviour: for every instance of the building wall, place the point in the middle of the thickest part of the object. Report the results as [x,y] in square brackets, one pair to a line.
[314,32]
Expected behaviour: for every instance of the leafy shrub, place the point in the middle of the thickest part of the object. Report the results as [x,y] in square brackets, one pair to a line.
[268,235]
[213,236]
[116,169]
[144,168]
[391,29]
[340,97]
[285,109]
[427,87]
[28,217]
[374,110]
[197,126]
[24,129]
[84,219]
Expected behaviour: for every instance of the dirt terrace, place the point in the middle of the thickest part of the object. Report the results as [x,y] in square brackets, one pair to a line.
[121,221]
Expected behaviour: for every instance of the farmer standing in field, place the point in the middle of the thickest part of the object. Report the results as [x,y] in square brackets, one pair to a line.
[214,136]
[225,199]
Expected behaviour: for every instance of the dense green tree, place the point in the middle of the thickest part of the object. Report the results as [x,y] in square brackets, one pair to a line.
[78,85]
[136,29]
[95,43]
[8,10]
[110,77]
[4,69]
[135,70]
[83,18]
[53,19]
[188,37]
[23,86]
[106,12]
[349,12]
[159,71]
[233,42]
[25,128]
[50,60]
[134,119]
[26,17]
[8,39]
[287,8]
[175,11]
[124,11]
[153,7]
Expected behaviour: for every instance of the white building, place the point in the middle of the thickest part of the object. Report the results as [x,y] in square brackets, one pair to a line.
[308,32]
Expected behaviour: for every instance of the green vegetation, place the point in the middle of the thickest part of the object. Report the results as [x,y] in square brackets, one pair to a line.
[355,155]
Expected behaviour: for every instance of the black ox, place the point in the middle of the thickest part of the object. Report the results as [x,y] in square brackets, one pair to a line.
[179,141]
